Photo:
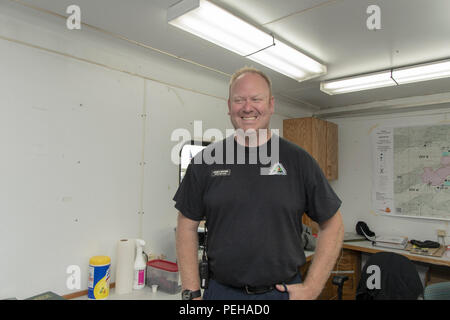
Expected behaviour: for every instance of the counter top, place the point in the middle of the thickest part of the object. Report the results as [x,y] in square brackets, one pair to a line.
[143,294]
[147,294]
[366,246]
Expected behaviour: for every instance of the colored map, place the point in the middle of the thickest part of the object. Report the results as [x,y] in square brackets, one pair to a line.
[422,171]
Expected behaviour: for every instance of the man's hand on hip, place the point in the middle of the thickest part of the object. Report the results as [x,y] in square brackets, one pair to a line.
[298,291]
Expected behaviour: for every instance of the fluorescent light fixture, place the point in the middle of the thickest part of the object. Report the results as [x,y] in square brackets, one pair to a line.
[358,83]
[212,23]
[421,72]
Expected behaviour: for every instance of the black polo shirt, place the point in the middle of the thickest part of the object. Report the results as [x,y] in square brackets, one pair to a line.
[253,219]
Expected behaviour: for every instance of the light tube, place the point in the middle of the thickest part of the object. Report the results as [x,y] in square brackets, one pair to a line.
[423,72]
[358,83]
[398,76]
[210,22]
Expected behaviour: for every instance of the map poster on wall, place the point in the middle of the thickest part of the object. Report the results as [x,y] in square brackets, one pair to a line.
[383,170]
[419,183]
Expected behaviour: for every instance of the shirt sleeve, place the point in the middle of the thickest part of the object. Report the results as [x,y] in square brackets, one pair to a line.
[321,200]
[189,196]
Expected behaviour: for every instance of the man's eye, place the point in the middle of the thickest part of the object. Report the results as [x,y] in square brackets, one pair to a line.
[256,99]
[238,100]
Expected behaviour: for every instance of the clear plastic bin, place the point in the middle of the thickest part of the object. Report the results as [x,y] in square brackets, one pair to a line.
[165,275]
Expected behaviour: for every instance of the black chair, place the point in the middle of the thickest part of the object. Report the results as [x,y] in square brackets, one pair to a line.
[339,282]
[398,279]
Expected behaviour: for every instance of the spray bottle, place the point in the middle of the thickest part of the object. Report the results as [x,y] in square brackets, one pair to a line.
[139,266]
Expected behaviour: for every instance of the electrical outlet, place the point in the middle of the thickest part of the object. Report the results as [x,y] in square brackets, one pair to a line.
[441,233]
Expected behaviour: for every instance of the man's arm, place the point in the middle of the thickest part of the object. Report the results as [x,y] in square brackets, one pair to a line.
[329,244]
[187,252]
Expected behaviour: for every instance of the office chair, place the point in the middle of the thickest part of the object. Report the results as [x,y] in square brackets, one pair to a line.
[339,281]
[398,279]
[437,291]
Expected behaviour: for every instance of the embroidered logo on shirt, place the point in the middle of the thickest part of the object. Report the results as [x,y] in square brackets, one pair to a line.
[221,173]
[277,170]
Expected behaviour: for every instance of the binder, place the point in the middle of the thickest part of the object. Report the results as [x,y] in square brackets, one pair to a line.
[390,242]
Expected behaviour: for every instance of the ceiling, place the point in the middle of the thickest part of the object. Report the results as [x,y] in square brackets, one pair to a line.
[332,31]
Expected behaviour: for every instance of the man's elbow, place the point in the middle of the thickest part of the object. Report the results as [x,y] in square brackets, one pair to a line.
[334,224]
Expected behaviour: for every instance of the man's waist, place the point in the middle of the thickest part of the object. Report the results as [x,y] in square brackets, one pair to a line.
[257,289]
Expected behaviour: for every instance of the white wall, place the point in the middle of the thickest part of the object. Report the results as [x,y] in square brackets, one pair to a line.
[73,140]
[354,185]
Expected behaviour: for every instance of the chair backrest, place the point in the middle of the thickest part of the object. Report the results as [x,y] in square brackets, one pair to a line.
[437,291]
[398,278]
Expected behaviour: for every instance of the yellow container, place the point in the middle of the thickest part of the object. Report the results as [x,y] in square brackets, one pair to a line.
[99,275]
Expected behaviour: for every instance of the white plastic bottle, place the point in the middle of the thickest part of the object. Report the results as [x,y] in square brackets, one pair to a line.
[139,266]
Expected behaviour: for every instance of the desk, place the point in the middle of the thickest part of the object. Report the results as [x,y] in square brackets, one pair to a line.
[366,246]
[357,247]
[349,263]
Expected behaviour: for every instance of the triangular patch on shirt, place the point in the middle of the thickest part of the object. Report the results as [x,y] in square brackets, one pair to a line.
[277,170]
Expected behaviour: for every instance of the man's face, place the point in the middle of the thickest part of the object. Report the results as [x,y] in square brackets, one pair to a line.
[250,105]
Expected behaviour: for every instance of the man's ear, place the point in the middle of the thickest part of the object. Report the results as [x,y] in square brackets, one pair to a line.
[272,104]
[229,106]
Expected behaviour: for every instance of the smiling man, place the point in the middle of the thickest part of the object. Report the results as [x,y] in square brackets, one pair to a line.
[250,103]
[254,245]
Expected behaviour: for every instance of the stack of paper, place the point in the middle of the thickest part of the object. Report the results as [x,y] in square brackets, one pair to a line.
[353,236]
[390,242]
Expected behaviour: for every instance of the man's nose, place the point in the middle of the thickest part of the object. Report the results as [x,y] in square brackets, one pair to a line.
[247,105]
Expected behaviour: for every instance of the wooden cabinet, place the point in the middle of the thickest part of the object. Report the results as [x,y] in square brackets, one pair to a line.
[319,138]
[349,264]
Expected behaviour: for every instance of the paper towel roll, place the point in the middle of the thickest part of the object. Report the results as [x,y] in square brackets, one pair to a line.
[125,266]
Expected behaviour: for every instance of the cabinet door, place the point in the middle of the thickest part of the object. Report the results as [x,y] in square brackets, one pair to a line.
[319,143]
[349,264]
[319,138]
[331,171]
[299,131]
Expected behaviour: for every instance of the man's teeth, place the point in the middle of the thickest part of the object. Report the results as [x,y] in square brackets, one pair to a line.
[249,118]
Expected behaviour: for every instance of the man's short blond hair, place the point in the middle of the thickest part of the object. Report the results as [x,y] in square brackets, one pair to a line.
[250,70]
